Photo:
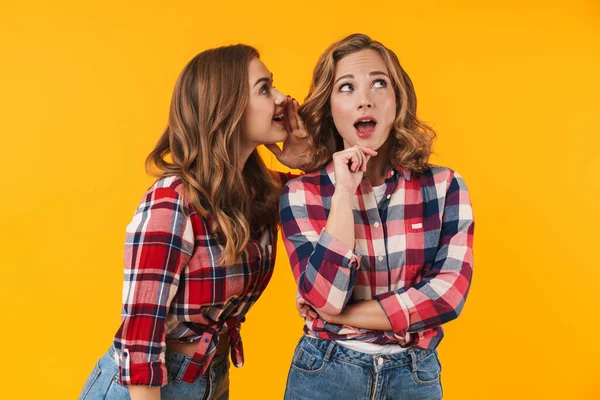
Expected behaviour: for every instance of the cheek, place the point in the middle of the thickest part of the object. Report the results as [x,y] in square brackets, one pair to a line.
[259,108]
[341,111]
[389,108]
[250,111]
[254,121]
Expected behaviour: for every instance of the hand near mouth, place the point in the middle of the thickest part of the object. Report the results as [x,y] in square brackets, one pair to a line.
[349,165]
[295,152]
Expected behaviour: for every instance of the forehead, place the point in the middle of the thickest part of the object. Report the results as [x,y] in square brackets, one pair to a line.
[257,69]
[363,61]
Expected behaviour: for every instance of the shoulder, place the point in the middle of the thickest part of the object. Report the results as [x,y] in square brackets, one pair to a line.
[166,189]
[310,182]
[443,175]
[172,184]
[440,173]
[163,210]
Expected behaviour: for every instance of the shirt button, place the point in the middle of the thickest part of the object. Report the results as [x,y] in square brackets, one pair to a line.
[389,196]
[380,361]
[380,258]
[376,224]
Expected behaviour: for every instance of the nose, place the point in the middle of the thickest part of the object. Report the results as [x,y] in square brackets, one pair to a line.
[365,102]
[279,97]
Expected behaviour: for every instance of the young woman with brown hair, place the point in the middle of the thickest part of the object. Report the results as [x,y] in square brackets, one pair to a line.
[200,249]
[379,240]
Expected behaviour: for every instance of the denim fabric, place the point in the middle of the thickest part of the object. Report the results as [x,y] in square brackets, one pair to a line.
[322,369]
[103,382]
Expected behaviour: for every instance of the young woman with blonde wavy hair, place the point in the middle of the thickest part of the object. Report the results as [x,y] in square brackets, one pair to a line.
[200,249]
[379,240]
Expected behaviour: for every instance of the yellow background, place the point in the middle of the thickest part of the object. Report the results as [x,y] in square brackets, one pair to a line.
[511,87]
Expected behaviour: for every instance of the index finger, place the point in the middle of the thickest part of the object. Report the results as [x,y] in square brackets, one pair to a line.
[290,116]
[368,151]
[299,122]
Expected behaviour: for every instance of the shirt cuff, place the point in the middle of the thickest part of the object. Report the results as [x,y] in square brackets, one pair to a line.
[338,253]
[396,312]
[146,374]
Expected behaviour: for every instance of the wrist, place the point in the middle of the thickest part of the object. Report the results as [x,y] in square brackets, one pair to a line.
[338,319]
[341,193]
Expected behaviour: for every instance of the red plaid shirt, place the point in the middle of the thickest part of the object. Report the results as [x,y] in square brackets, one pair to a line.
[413,253]
[174,289]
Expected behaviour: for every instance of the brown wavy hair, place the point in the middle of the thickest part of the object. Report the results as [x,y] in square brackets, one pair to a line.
[201,145]
[412,139]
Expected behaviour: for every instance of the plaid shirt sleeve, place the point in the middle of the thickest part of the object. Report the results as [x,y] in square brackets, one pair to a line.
[284,177]
[159,244]
[324,268]
[440,295]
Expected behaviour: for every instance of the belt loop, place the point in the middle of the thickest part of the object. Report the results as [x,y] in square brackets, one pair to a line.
[210,372]
[329,350]
[413,359]
[182,368]
[209,388]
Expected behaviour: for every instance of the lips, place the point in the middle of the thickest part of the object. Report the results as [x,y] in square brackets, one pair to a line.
[365,126]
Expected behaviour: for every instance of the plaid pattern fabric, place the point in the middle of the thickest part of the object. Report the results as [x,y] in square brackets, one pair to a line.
[413,253]
[174,289]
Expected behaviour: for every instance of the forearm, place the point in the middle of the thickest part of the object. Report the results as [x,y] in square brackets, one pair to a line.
[324,266]
[140,392]
[364,314]
[327,280]
[340,222]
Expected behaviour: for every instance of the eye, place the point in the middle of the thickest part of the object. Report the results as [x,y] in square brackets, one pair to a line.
[379,83]
[264,89]
[346,87]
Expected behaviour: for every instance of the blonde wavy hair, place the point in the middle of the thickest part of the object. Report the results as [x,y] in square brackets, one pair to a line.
[412,139]
[201,145]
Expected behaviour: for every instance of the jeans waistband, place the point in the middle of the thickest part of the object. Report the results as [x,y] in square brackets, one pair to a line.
[384,361]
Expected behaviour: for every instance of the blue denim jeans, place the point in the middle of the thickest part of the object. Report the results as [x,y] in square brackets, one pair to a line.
[322,369]
[103,382]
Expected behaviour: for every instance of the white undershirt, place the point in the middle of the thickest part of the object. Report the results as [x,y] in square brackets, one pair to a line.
[372,348]
[379,191]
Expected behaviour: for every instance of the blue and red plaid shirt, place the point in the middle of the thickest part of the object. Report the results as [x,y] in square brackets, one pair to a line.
[413,253]
[175,290]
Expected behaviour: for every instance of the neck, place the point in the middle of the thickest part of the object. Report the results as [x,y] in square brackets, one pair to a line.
[245,150]
[377,169]
[379,166]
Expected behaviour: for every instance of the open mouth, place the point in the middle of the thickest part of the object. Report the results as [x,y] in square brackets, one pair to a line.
[365,126]
[278,118]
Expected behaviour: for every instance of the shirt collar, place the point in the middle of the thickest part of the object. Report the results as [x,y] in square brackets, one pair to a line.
[401,171]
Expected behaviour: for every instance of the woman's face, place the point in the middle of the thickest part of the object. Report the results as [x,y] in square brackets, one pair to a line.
[363,102]
[263,119]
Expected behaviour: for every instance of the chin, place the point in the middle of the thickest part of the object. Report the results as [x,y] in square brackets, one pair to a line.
[377,145]
[279,136]
[375,142]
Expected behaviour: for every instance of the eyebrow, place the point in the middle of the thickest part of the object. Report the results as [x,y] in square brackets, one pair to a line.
[374,73]
[264,79]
